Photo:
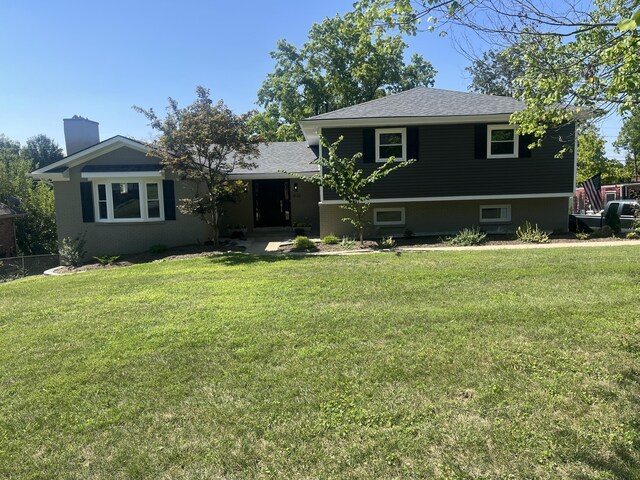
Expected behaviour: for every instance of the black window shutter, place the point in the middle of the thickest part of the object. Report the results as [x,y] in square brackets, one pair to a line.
[523,141]
[481,141]
[86,200]
[169,197]
[368,145]
[413,147]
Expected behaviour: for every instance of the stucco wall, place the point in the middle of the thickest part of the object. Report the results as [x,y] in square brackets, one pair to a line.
[438,218]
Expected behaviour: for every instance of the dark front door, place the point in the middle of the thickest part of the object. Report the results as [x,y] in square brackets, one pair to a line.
[271,203]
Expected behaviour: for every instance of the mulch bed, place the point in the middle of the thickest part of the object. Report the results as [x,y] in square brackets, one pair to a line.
[435,242]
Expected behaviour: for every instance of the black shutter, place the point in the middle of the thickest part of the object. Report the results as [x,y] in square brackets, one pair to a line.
[169,197]
[413,147]
[523,141]
[368,145]
[481,141]
[86,200]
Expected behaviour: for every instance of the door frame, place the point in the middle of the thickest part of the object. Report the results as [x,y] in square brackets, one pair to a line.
[286,202]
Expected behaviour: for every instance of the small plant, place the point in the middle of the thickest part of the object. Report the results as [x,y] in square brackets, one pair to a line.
[158,249]
[386,242]
[330,239]
[582,236]
[347,242]
[303,243]
[72,250]
[408,233]
[467,237]
[635,235]
[107,259]
[527,233]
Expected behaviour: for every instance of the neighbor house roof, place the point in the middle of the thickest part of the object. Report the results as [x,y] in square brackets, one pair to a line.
[426,102]
[276,157]
[7,212]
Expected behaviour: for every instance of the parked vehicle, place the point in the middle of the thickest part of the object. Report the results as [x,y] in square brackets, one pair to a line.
[625,210]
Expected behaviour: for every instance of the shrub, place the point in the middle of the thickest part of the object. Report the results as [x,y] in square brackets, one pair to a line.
[582,236]
[157,249]
[107,259]
[467,237]
[347,242]
[635,235]
[604,232]
[330,239]
[527,233]
[303,243]
[386,242]
[72,250]
[408,233]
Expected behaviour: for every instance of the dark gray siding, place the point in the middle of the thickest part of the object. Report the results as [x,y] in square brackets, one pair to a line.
[447,166]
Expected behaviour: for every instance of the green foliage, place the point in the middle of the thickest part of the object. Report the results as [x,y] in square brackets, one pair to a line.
[605,232]
[36,228]
[530,234]
[107,259]
[628,141]
[592,158]
[347,242]
[203,143]
[386,242]
[342,175]
[330,239]
[635,235]
[158,248]
[303,243]
[341,64]
[495,72]
[42,151]
[467,237]
[582,236]
[72,250]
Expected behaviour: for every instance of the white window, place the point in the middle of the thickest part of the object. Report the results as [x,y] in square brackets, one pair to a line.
[610,196]
[388,216]
[128,200]
[502,141]
[391,142]
[495,213]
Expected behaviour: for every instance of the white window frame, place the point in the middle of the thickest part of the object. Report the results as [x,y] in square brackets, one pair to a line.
[506,219]
[144,203]
[388,209]
[491,128]
[608,193]
[380,131]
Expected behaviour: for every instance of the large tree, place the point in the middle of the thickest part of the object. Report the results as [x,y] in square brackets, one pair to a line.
[628,141]
[592,158]
[495,72]
[42,150]
[342,63]
[578,55]
[203,143]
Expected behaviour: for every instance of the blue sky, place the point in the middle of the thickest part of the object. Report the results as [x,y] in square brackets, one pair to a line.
[98,58]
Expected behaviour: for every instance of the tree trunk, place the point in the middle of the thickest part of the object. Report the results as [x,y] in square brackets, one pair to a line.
[216,226]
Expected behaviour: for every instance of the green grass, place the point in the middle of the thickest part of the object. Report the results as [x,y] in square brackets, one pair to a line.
[496,364]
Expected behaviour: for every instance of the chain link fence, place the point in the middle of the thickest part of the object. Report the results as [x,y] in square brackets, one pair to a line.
[16,267]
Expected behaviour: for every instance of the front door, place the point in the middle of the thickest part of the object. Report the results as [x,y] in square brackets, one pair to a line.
[271,203]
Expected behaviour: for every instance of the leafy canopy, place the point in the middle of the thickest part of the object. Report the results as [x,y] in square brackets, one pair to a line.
[204,142]
[592,158]
[628,141]
[343,63]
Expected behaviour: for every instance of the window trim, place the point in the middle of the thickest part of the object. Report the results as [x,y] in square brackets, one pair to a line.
[403,132]
[144,202]
[608,193]
[389,209]
[507,219]
[491,128]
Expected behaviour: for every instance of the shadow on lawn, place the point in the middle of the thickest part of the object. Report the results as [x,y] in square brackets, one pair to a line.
[237,258]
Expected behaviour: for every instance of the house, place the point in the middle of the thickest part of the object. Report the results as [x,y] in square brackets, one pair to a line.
[471,169]
[608,193]
[8,217]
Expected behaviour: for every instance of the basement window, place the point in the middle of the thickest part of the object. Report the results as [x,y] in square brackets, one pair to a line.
[495,213]
[388,216]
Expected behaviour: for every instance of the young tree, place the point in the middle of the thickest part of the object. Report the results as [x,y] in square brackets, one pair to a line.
[341,64]
[341,175]
[42,150]
[629,141]
[204,142]
[592,158]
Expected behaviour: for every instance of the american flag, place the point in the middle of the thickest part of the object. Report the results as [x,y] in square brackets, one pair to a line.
[592,187]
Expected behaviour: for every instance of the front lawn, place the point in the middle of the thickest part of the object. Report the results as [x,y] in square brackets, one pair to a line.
[486,364]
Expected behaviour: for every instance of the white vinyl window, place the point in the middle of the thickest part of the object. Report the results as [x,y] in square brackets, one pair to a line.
[391,142]
[128,200]
[495,213]
[502,141]
[388,216]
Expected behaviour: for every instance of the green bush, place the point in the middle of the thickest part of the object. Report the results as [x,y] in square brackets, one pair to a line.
[635,235]
[72,250]
[529,234]
[467,237]
[386,242]
[303,243]
[107,259]
[582,236]
[157,249]
[330,239]
[347,242]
